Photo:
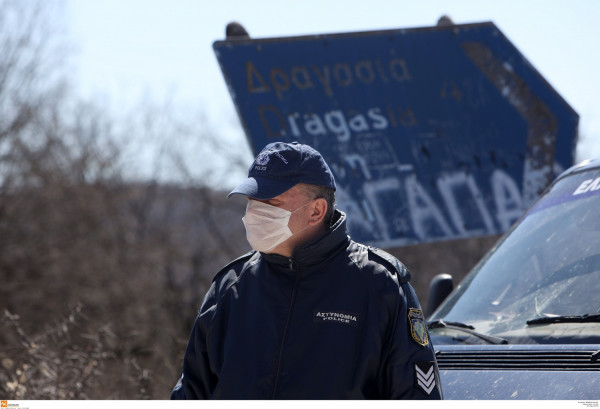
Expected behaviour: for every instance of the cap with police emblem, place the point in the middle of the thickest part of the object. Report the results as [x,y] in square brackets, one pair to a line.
[280,166]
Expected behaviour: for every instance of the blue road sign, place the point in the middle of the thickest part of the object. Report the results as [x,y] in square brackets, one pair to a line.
[432,133]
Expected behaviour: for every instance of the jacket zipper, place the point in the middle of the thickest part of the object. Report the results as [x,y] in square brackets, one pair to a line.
[285,329]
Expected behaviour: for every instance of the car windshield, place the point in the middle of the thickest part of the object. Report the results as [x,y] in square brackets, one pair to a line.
[547,266]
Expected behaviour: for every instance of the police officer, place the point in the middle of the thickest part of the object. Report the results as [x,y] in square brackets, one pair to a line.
[309,313]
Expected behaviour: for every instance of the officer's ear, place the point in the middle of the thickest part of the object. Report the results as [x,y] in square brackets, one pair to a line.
[319,208]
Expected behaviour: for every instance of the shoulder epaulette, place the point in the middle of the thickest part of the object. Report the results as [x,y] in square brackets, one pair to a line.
[244,258]
[392,263]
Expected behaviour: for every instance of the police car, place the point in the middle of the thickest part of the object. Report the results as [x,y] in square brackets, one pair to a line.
[525,322]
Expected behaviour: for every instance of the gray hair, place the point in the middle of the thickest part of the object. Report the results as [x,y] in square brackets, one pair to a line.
[321,192]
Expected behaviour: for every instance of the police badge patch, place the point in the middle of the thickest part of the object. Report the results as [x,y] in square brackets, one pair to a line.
[417,326]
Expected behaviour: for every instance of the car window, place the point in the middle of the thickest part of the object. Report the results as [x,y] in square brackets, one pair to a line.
[548,265]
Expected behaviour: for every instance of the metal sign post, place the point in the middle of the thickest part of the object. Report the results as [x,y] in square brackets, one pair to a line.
[432,133]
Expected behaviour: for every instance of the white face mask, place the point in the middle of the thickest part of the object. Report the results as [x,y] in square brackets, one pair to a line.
[267,225]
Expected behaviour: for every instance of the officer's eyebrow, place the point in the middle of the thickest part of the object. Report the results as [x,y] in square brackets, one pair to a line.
[273,202]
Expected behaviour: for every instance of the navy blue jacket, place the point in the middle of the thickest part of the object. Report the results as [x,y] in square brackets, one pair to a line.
[337,320]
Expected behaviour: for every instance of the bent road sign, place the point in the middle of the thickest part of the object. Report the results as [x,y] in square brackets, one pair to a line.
[432,133]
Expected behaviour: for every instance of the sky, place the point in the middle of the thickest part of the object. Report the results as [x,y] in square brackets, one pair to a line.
[132,50]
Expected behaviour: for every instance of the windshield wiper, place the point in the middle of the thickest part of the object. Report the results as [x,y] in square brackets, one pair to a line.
[565,318]
[469,329]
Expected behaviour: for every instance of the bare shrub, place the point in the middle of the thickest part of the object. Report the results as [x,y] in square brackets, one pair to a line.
[59,363]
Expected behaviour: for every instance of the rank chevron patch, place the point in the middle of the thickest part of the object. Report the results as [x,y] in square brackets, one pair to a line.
[425,376]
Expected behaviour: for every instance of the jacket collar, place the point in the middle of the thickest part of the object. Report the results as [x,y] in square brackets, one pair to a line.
[315,252]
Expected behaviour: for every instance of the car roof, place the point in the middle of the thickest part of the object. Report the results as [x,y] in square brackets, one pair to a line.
[583,166]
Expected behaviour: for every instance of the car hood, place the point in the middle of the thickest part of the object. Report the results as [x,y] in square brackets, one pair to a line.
[539,372]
